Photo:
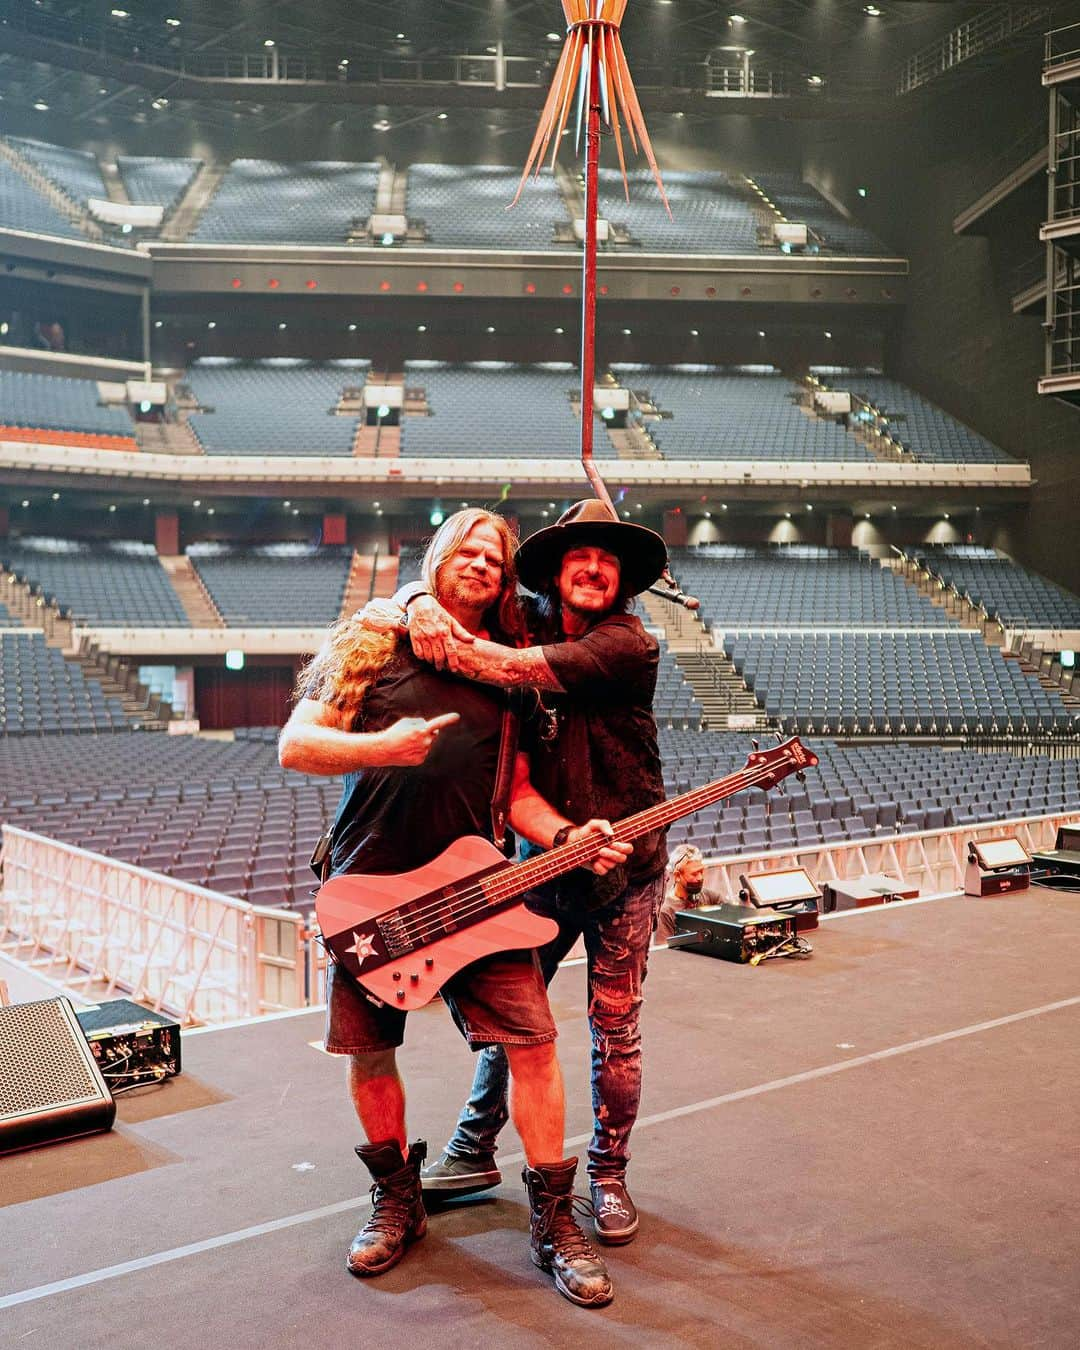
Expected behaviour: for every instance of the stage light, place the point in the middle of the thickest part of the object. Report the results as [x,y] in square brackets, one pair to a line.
[827,333]
[626,332]
[41,107]
[554,37]
[872,10]
[210,510]
[421,327]
[268,42]
[737,18]
[489,329]
[343,64]
[761,332]
[560,330]
[146,501]
[693,332]
[4,328]
[112,506]
[815,80]
[400,37]
[945,516]
[809,506]
[197,502]
[25,502]
[352,328]
[443,116]
[787,515]
[708,515]
[381,125]
[173,23]
[56,496]
[212,323]
[282,327]
[160,103]
[234,659]
[287,504]
[863,192]
[866,516]
[120,13]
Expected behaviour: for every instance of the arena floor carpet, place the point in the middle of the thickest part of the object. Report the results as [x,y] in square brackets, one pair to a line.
[875,1147]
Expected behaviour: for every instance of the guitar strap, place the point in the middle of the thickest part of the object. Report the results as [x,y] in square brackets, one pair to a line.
[504,772]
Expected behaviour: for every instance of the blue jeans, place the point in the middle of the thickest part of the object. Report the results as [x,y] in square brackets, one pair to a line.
[617,945]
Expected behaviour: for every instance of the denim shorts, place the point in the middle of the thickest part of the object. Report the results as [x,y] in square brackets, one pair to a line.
[499,1000]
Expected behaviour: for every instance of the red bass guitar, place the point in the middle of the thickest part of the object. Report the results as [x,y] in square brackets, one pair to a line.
[402,936]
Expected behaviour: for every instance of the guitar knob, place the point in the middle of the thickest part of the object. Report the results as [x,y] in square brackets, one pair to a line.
[397,974]
[414,978]
[429,961]
[401,995]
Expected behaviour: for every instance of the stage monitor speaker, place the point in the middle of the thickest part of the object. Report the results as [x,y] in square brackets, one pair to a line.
[50,1086]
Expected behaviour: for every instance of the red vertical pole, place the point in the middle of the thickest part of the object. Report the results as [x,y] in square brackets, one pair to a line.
[588,287]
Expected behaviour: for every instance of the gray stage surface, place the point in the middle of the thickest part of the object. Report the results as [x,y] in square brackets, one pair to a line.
[874,1147]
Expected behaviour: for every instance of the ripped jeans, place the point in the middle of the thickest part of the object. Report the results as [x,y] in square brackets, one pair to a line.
[617,945]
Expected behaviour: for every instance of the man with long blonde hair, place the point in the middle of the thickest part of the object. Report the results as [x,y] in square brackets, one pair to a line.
[419,750]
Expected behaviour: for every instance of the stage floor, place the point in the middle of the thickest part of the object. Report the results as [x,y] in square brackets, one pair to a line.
[873,1147]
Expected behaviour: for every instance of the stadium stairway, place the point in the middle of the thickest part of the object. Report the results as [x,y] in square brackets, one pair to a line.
[116,676]
[717,687]
[56,197]
[191,592]
[371,576]
[167,438]
[194,202]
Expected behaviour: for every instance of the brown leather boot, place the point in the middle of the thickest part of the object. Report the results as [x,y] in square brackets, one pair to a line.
[397,1207]
[558,1244]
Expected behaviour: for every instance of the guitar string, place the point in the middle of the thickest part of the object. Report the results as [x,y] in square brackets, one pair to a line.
[419,925]
[468,902]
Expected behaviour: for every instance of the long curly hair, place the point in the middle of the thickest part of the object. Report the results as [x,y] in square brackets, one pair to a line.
[352,656]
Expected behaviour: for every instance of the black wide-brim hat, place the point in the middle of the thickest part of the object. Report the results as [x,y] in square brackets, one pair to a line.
[641,552]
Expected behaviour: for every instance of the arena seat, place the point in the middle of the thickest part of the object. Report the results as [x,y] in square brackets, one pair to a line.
[716,414]
[465,206]
[22,207]
[74,172]
[493,409]
[156,179]
[40,692]
[710,215]
[930,434]
[1010,593]
[120,583]
[32,400]
[797,585]
[303,202]
[276,406]
[274,585]
[803,204]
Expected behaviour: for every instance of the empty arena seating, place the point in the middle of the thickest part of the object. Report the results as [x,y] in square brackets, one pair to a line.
[717,414]
[492,408]
[274,585]
[792,585]
[1007,591]
[709,215]
[41,692]
[74,172]
[304,202]
[804,205]
[920,427]
[277,406]
[155,179]
[7,619]
[22,207]
[859,792]
[465,206]
[118,583]
[58,402]
[892,683]
[674,704]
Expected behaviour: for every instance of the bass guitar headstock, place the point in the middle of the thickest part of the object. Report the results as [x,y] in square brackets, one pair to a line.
[769,767]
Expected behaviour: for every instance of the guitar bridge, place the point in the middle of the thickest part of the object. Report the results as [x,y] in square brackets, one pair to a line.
[392,932]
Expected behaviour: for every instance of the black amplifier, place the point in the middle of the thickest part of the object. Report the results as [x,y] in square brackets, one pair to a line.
[741,933]
[131,1044]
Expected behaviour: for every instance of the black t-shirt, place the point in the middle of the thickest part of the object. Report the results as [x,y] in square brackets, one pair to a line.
[397,818]
[604,762]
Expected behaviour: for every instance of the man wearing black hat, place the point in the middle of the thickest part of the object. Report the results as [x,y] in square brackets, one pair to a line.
[596,667]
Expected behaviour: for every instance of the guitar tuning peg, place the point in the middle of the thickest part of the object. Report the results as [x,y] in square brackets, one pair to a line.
[779,737]
[781,789]
[800,776]
[756,744]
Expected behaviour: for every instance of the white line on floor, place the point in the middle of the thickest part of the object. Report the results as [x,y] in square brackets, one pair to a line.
[42,1291]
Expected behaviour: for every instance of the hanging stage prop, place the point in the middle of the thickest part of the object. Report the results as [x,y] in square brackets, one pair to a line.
[594,75]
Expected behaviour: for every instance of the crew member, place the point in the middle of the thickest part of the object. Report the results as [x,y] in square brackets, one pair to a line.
[685,888]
